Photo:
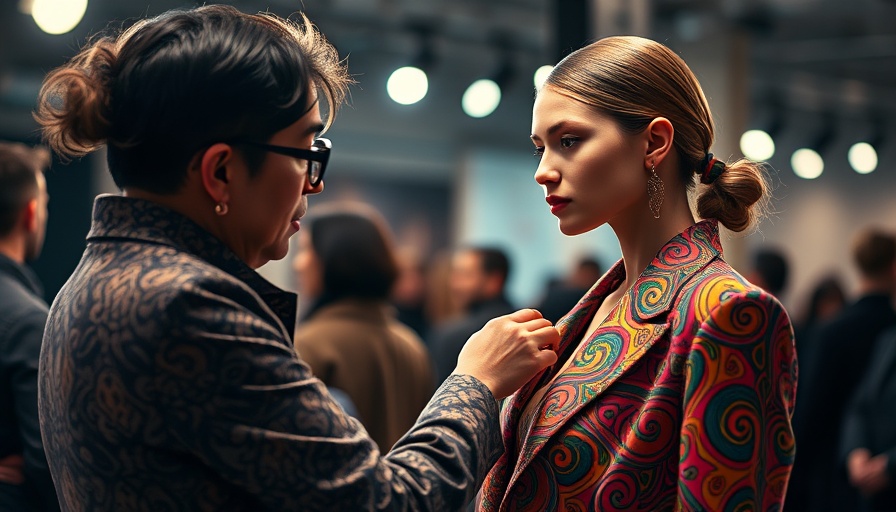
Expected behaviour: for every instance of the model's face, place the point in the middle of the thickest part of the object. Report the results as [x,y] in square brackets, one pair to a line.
[35,240]
[269,204]
[591,171]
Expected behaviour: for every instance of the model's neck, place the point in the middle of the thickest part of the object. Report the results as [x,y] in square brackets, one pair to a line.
[641,236]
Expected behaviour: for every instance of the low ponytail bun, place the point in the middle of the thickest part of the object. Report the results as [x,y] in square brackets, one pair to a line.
[737,197]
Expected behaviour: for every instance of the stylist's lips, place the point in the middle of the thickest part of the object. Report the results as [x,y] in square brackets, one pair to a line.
[557,203]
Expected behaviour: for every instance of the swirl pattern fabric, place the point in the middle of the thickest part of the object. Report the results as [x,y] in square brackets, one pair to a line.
[169,381]
[680,400]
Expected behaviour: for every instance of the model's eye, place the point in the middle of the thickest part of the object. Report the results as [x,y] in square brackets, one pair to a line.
[567,141]
[539,151]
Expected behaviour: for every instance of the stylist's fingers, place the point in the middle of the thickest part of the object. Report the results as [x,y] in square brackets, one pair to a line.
[546,338]
[536,324]
[509,350]
[524,315]
[545,358]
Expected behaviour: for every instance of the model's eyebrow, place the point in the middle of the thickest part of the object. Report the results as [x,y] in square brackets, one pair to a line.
[554,128]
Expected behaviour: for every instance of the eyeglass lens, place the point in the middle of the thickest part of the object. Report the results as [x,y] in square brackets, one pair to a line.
[315,168]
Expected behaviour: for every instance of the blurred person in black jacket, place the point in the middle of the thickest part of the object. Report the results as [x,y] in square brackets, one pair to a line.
[868,444]
[25,482]
[477,281]
[826,300]
[830,373]
[770,271]
[561,296]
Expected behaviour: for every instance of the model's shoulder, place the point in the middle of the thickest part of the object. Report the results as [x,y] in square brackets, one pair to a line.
[719,278]
[716,285]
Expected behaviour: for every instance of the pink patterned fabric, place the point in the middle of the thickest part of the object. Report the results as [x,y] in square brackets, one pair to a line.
[681,399]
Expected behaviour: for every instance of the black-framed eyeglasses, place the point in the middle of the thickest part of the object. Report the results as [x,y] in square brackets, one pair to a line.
[317,156]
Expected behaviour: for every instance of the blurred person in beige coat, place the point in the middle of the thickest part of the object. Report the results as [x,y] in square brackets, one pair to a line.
[351,336]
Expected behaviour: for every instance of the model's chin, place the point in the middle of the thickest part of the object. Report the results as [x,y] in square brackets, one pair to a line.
[574,228]
[570,229]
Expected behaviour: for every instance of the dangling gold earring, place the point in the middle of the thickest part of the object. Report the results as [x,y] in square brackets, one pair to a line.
[221,208]
[655,192]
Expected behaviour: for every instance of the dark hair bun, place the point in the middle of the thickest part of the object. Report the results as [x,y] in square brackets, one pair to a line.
[73,105]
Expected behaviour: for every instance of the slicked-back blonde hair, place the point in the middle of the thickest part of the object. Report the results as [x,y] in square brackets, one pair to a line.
[635,80]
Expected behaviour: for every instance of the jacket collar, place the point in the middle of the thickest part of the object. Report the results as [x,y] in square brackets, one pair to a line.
[22,274]
[128,218]
[631,328]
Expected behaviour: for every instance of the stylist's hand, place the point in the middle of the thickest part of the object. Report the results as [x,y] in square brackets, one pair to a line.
[509,351]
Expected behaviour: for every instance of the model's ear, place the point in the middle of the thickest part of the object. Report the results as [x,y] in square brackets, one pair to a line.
[215,169]
[660,138]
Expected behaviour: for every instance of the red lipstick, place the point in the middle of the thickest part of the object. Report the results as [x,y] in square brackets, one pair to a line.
[557,203]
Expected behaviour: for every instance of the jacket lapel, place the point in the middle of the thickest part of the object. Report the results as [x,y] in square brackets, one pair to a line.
[570,327]
[632,327]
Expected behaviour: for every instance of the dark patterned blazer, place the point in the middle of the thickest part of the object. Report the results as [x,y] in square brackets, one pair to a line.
[169,381]
[681,399]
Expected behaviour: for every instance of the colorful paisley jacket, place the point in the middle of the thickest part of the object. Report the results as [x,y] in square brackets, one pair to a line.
[168,381]
[681,399]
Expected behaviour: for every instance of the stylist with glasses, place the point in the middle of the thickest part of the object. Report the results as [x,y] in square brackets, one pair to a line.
[168,378]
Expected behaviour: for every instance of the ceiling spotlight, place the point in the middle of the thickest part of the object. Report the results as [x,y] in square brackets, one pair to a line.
[481,98]
[757,145]
[58,16]
[407,85]
[862,157]
[541,74]
[807,163]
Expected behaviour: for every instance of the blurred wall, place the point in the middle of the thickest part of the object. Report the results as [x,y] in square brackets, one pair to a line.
[498,203]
